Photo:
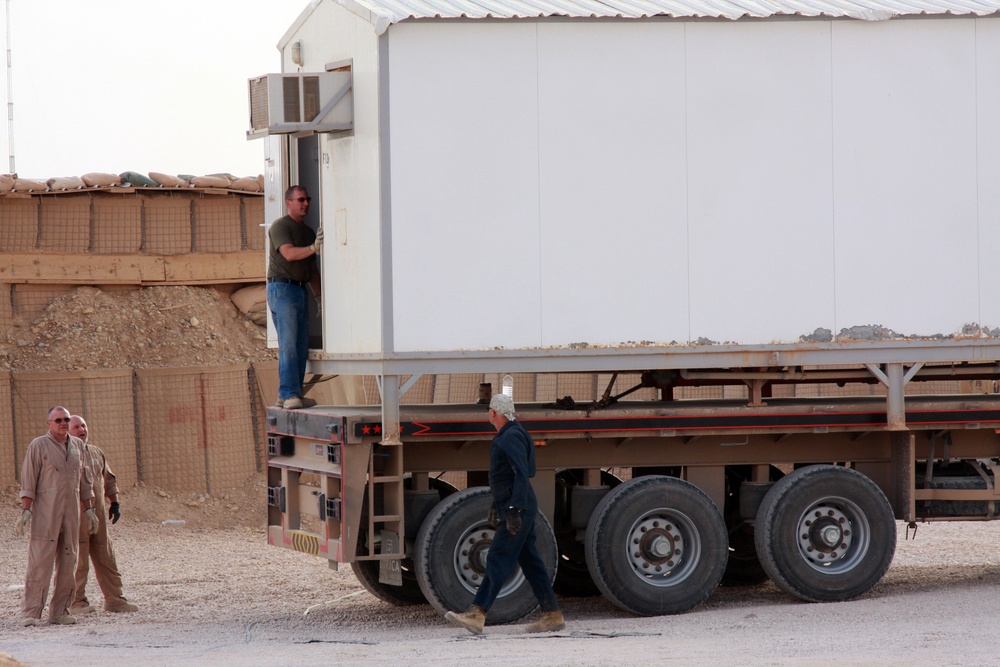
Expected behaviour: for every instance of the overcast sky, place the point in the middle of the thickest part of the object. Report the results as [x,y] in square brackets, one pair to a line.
[138,85]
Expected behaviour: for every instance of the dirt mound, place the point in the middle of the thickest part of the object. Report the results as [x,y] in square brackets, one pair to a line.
[151,327]
[234,508]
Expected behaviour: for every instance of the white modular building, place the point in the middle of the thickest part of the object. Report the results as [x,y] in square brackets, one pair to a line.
[584,185]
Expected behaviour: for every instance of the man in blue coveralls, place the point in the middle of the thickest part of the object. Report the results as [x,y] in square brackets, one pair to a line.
[512,465]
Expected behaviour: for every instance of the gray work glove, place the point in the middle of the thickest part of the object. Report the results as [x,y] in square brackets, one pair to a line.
[513,521]
[317,245]
[93,525]
[491,518]
[23,523]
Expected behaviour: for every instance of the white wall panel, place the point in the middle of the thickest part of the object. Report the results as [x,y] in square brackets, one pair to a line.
[906,183]
[566,182]
[464,129]
[759,180]
[988,130]
[612,172]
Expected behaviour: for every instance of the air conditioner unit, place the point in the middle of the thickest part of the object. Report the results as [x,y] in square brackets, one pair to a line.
[301,103]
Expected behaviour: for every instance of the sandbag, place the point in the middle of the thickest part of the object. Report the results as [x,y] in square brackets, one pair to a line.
[66,183]
[210,182]
[7,182]
[246,184]
[28,185]
[247,298]
[135,178]
[260,182]
[97,179]
[167,181]
[258,314]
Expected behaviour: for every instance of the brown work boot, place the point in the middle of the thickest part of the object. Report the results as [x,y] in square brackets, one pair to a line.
[28,621]
[551,621]
[472,620]
[81,608]
[280,403]
[65,619]
[120,606]
[293,403]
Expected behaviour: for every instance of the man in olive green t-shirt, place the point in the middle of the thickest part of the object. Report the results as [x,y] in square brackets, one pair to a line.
[290,268]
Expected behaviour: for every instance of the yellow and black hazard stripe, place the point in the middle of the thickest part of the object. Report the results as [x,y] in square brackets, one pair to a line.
[305,542]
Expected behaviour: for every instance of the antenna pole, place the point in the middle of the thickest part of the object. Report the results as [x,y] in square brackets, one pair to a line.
[10,98]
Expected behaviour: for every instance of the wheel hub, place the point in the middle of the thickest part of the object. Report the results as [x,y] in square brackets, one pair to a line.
[472,556]
[655,546]
[825,534]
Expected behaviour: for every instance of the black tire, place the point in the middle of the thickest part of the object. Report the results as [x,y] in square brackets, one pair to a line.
[657,545]
[409,593]
[573,578]
[451,551]
[825,533]
[400,596]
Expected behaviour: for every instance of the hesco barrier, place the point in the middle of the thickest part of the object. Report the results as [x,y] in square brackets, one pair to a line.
[132,221]
[198,429]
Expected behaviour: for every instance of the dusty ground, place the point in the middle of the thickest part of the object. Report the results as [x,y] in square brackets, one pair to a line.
[213,593]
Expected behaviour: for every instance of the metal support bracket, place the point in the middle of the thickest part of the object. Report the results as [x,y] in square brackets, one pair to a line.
[389,388]
[895,378]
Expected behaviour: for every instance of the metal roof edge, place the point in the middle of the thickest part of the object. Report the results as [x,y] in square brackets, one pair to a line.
[380,20]
[383,13]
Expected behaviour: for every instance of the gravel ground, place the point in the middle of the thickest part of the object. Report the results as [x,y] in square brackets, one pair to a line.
[221,596]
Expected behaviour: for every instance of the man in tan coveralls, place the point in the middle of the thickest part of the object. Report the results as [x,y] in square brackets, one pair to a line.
[54,484]
[98,547]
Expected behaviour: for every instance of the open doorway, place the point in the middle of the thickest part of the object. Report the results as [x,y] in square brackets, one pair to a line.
[307,153]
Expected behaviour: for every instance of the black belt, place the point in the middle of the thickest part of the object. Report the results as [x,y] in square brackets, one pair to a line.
[283,279]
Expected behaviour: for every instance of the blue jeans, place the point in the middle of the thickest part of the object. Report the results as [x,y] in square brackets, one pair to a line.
[508,550]
[290,314]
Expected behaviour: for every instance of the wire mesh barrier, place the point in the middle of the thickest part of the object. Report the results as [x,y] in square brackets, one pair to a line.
[122,221]
[182,429]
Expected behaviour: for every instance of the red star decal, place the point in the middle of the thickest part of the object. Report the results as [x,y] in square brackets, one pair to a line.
[378,429]
[366,430]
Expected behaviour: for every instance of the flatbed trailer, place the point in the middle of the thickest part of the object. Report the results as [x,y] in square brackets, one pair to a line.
[694,194]
[650,503]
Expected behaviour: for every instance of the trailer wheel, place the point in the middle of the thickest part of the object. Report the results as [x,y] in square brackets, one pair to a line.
[451,551]
[657,545]
[573,578]
[408,594]
[825,533]
[367,570]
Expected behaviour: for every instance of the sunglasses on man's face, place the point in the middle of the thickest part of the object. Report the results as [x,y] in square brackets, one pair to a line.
[61,420]
[302,199]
